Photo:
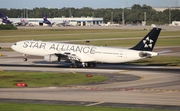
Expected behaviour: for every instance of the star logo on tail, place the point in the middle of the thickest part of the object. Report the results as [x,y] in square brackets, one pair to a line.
[148,43]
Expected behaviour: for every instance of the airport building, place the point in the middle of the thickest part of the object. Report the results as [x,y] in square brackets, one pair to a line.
[73,21]
[161,9]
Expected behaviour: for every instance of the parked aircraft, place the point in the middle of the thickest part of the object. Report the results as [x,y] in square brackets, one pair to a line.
[86,54]
[54,22]
[5,19]
[23,22]
[14,21]
[46,21]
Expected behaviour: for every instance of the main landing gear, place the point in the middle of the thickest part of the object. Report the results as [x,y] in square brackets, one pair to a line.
[88,64]
[74,64]
[84,64]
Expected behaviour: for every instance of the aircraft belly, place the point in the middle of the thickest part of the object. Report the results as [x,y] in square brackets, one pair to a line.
[107,58]
[110,58]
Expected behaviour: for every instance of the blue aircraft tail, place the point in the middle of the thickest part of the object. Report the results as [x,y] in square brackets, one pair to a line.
[44,17]
[45,20]
[148,42]
[5,19]
[3,16]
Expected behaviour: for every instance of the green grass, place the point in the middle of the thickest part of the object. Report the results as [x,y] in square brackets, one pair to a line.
[175,41]
[73,34]
[173,37]
[62,34]
[48,107]
[6,49]
[159,60]
[44,79]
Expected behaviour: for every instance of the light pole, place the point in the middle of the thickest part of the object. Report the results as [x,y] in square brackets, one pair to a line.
[21,15]
[111,17]
[26,12]
[145,18]
[123,17]
[70,14]
[169,15]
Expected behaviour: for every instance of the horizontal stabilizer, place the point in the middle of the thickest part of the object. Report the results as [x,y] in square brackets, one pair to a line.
[166,51]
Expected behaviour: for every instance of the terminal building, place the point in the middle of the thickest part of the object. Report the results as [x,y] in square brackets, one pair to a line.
[73,21]
[161,9]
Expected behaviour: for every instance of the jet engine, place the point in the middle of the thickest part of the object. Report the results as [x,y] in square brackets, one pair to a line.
[52,58]
[145,54]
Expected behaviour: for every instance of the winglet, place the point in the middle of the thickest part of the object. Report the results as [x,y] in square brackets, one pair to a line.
[148,42]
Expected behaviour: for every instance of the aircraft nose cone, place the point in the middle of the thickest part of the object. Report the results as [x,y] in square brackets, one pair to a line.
[13,46]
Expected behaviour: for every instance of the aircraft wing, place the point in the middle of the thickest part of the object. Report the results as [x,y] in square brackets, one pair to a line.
[77,57]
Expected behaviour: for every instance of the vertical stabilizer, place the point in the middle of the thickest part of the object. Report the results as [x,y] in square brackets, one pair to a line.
[45,20]
[148,42]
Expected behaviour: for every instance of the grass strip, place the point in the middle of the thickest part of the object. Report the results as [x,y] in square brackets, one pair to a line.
[44,79]
[159,61]
[73,34]
[48,107]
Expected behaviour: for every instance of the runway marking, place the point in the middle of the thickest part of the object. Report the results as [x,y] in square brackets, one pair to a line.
[123,89]
[52,87]
[142,77]
[73,72]
[95,103]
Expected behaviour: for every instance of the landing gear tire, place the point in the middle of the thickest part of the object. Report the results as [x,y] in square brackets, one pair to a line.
[88,64]
[71,66]
[74,66]
[24,59]
[92,65]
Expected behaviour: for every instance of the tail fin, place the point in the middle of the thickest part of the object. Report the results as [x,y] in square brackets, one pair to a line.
[46,21]
[3,16]
[148,42]
[44,17]
[5,19]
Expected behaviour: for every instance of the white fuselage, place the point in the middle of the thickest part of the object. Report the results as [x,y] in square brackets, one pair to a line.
[85,53]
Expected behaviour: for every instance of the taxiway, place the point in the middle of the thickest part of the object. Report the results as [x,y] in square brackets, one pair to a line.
[128,86]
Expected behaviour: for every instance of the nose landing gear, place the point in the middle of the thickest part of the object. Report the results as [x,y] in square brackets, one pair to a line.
[25,57]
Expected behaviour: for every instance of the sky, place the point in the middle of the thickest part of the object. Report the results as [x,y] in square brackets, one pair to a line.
[30,4]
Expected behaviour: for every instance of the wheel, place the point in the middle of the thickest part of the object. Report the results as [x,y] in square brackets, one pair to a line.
[93,65]
[24,59]
[75,65]
[71,66]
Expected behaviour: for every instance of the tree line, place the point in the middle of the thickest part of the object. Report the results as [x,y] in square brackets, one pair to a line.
[134,15]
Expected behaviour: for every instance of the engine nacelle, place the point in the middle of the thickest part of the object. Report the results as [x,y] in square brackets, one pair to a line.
[145,54]
[52,58]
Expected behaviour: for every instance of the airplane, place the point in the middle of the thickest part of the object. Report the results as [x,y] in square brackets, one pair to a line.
[5,19]
[46,21]
[53,22]
[88,55]
[23,22]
